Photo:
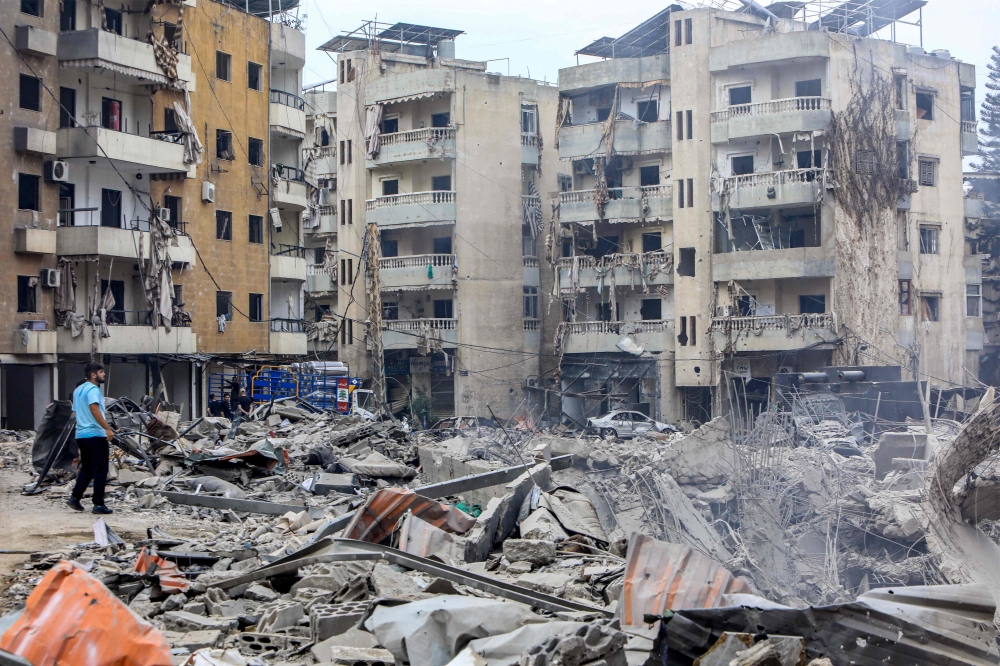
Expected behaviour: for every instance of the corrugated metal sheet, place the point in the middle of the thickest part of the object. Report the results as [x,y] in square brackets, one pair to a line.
[376,520]
[420,538]
[663,576]
[172,580]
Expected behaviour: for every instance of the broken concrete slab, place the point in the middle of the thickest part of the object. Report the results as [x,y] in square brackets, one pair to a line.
[335,483]
[326,620]
[280,615]
[185,622]
[548,582]
[529,550]
[542,524]
[195,640]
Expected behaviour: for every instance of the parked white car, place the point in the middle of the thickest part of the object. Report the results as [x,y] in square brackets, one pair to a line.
[624,424]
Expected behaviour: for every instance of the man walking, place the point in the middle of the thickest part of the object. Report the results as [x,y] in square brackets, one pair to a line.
[93,437]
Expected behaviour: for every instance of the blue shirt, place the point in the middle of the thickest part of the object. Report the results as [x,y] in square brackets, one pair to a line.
[85,395]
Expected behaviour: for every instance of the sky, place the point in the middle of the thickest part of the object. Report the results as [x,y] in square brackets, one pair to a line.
[536,39]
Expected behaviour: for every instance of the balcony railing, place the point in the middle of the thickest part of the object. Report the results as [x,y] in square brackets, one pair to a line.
[623,259]
[169,137]
[775,178]
[529,262]
[280,325]
[319,152]
[416,261]
[632,192]
[417,325]
[288,99]
[532,324]
[136,318]
[290,173]
[786,322]
[415,198]
[431,135]
[529,139]
[283,250]
[328,210]
[772,107]
[970,127]
[616,327]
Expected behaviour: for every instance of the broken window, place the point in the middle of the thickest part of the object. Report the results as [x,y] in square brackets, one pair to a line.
[531,302]
[172,35]
[256,307]
[224,145]
[113,21]
[685,266]
[442,245]
[30,93]
[973,300]
[27,293]
[809,159]
[28,191]
[925,106]
[682,337]
[67,202]
[648,112]
[652,242]
[905,300]
[390,187]
[929,240]
[223,66]
[649,175]
[443,309]
[739,95]
[223,225]
[390,311]
[903,159]
[170,121]
[931,307]
[605,245]
[441,183]
[603,113]
[746,305]
[928,173]
[864,162]
[255,233]
[529,119]
[742,165]
[651,309]
[255,151]
[810,88]
[390,248]
[812,304]
[440,119]
[224,304]
[390,125]
[31,7]
[255,76]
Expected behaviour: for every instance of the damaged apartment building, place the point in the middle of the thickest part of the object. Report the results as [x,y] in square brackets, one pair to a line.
[158,190]
[754,192]
[440,166]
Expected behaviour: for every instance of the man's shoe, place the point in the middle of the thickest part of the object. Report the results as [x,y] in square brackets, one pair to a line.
[100,508]
[74,504]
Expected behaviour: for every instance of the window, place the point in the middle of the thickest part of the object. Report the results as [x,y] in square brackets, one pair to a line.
[116,313]
[925,106]
[604,312]
[254,76]
[932,307]
[905,302]
[67,107]
[176,207]
[808,159]
[256,304]
[690,192]
[680,125]
[224,304]
[223,66]
[67,202]
[900,87]
[223,225]
[443,309]
[903,159]
[742,165]
[690,123]
[685,266]
[341,65]
[682,336]
[256,232]
[346,271]
[67,15]
[530,302]
[113,21]
[739,95]
[31,7]
[27,293]
[928,173]
[529,119]
[224,145]
[350,211]
[28,191]
[390,248]
[929,240]
[603,113]
[442,245]
[529,244]
[864,162]
[652,242]
[967,103]
[648,112]
[677,33]
[441,183]
[688,31]
[172,35]
[390,311]
[31,93]
[651,309]
[440,119]
[390,125]
[111,208]
[342,151]
[350,152]
[680,193]
[810,88]
[170,121]
[321,311]
[973,300]
[649,175]
[812,304]
[319,255]
[390,187]
[255,151]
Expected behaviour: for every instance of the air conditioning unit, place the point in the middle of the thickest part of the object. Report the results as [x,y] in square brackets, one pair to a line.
[50,278]
[580,168]
[208,192]
[623,163]
[724,311]
[56,172]
[163,214]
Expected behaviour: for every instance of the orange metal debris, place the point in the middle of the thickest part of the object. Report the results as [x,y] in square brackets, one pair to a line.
[663,576]
[172,580]
[376,520]
[71,619]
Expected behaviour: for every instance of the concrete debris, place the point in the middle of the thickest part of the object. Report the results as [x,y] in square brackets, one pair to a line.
[529,550]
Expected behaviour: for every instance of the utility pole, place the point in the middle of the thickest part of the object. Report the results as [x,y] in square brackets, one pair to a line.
[375,319]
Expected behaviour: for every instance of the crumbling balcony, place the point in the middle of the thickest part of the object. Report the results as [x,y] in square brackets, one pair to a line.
[591,76]
[36,342]
[288,262]
[288,114]
[318,280]
[107,148]
[419,271]
[101,241]
[411,85]
[131,333]
[327,221]
[588,337]
[405,333]
[323,157]
[787,332]
[774,188]
[400,210]
[577,142]
[289,193]
[626,204]
[970,138]
[630,269]
[779,116]
[413,145]
[128,59]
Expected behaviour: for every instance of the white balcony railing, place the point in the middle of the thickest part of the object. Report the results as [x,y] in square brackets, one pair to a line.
[616,327]
[624,259]
[431,135]
[531,200]
[787,322]
[529,262]
[416,198]
[771,107]
[318,152]
[775,178]
[327,210]
[970,127]
[529,139]
[416,261]
[532,324]
[614,193]
[417,325]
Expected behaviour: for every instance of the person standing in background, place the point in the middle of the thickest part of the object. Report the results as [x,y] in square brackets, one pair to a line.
[93,437]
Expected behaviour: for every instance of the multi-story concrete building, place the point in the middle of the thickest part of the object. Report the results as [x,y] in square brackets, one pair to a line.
[982,218]
[731,214]
[446,161]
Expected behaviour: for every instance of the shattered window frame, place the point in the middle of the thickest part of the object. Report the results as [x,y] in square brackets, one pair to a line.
[224,304]
[224,145]
[905,298]
[223,66]
[924,104]
[929,240]
[974,300]
[255,73]
[931,304]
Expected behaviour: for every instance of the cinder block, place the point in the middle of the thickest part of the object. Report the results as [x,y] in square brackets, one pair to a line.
[262,644]
[326,620]
[279,615]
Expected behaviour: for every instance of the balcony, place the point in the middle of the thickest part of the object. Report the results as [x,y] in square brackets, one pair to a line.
[779,116]
[770,49]
[111,148]
[130,338]
[787,332]
[288,46]
[973,207]
[418,84]
[319,281]
[419,271]
[34,241]
[35,41]
[532,335]
[324,157]
[589,337]
[39,342]
[288,114]
[626,204]
[288,337]
[34,141]
[970,138]
[774,188]
[327,221]
[582,272]
[420,144]
[530,273]
[114,242]
[577,142]
[799,262]
[404,333]
[130,60]
[529,148]
[400,210]
[289,193]
[591,76]
[288,263]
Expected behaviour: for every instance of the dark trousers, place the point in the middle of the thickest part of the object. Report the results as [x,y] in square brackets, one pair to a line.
[94,452]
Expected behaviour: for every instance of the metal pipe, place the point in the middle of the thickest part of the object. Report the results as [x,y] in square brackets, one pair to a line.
[851,375]
[813,378]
